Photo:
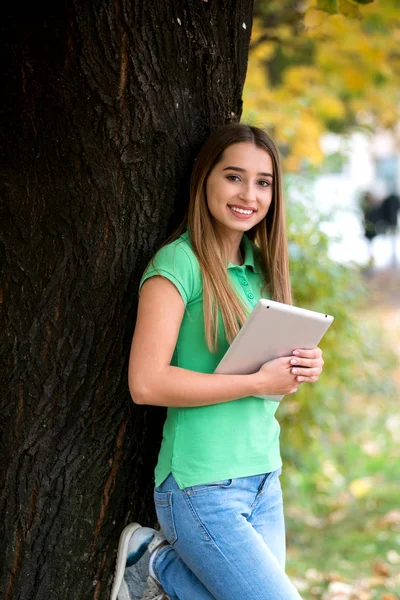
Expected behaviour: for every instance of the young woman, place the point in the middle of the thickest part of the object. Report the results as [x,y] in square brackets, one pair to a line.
[217,496]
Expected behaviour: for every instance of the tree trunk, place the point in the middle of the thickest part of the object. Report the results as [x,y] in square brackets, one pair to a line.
[104,107]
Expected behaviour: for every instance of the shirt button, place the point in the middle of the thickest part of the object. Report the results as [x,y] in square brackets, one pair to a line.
[243,282]
[251,296]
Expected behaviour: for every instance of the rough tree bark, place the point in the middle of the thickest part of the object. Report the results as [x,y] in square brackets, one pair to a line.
[104,106]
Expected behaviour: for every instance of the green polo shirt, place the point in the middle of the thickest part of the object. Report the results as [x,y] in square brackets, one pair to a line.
[233,439]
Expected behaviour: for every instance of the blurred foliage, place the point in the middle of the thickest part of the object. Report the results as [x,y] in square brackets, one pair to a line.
[340,437]
[322,65]
[333,163]
[319,66]
[318,422]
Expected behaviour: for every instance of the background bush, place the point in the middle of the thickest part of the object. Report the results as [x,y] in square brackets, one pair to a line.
[321,422]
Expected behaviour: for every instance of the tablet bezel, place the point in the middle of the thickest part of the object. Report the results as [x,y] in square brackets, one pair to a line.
[272,330]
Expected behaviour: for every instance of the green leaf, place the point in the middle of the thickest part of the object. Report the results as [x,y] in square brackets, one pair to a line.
[329,6]
[363,1]
[349,10]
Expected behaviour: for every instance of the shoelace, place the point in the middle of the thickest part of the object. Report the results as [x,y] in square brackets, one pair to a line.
[153,590]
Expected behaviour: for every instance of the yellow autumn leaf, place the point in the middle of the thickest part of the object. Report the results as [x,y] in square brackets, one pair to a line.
[264,51]
[354,79]
[295,78]
[284,32]
[389,117]
[360,487]
[349,10]
[329,107]
[308,149]
[331,28]
[333,69]
[291,164]
[257,30]
[314,18]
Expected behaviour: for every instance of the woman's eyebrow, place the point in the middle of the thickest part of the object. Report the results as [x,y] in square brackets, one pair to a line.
[244,171]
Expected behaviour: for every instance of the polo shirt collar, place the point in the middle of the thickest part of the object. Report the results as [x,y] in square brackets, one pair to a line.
[248,256]
[248,253]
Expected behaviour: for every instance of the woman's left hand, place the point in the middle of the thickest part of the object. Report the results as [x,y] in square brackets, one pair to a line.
[307,364]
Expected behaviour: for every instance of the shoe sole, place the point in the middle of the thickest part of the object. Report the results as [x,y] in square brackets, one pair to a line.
[122,555]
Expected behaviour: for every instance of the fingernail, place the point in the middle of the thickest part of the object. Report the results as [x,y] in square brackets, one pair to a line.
[296,353]
[293,361]
[300,379]
[294,371]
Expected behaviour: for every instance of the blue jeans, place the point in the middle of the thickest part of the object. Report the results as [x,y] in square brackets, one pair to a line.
[226,540]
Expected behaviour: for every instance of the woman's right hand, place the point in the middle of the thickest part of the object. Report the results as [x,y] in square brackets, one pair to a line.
[275,377]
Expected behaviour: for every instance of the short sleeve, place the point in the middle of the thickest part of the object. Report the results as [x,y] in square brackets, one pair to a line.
[175,263]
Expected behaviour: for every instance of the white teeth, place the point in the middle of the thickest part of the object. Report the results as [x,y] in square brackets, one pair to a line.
[241,210]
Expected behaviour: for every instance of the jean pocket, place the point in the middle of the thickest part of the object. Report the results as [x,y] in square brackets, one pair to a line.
[205,488]
[271,481]
[163,503]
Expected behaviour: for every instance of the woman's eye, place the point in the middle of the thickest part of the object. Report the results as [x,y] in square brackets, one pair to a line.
[264,183]
[233,178]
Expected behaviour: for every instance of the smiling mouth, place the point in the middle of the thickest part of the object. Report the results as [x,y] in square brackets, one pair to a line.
[242,211]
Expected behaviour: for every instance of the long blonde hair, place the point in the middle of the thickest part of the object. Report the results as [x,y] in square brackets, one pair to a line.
[269,235]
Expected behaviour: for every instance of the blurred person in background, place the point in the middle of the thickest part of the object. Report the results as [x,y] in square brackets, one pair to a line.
[380,217]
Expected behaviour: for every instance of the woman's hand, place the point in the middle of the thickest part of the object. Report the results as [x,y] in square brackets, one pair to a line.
[307,365]
[284,375]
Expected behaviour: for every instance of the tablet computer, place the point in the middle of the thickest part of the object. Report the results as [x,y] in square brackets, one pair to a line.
[272,330]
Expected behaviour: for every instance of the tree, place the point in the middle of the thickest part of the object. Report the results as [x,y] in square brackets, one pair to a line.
[104,107]
[322,65]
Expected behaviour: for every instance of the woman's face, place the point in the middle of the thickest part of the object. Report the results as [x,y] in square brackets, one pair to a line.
[239,188]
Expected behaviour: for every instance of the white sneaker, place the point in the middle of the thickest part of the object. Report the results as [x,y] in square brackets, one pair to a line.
[132,580]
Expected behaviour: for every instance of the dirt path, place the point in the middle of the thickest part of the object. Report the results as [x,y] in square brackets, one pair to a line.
[384,287]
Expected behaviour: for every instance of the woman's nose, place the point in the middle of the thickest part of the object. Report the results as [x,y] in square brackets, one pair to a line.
[248,193]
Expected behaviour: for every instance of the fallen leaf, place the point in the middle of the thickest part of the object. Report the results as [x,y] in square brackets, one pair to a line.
[377,581]
[337,516]
[380,568]
[361,595]
[300,584]
[314,575]
[393,557]
[337,590]
[360,487]
[371,448]
[391,518]
[334,577]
